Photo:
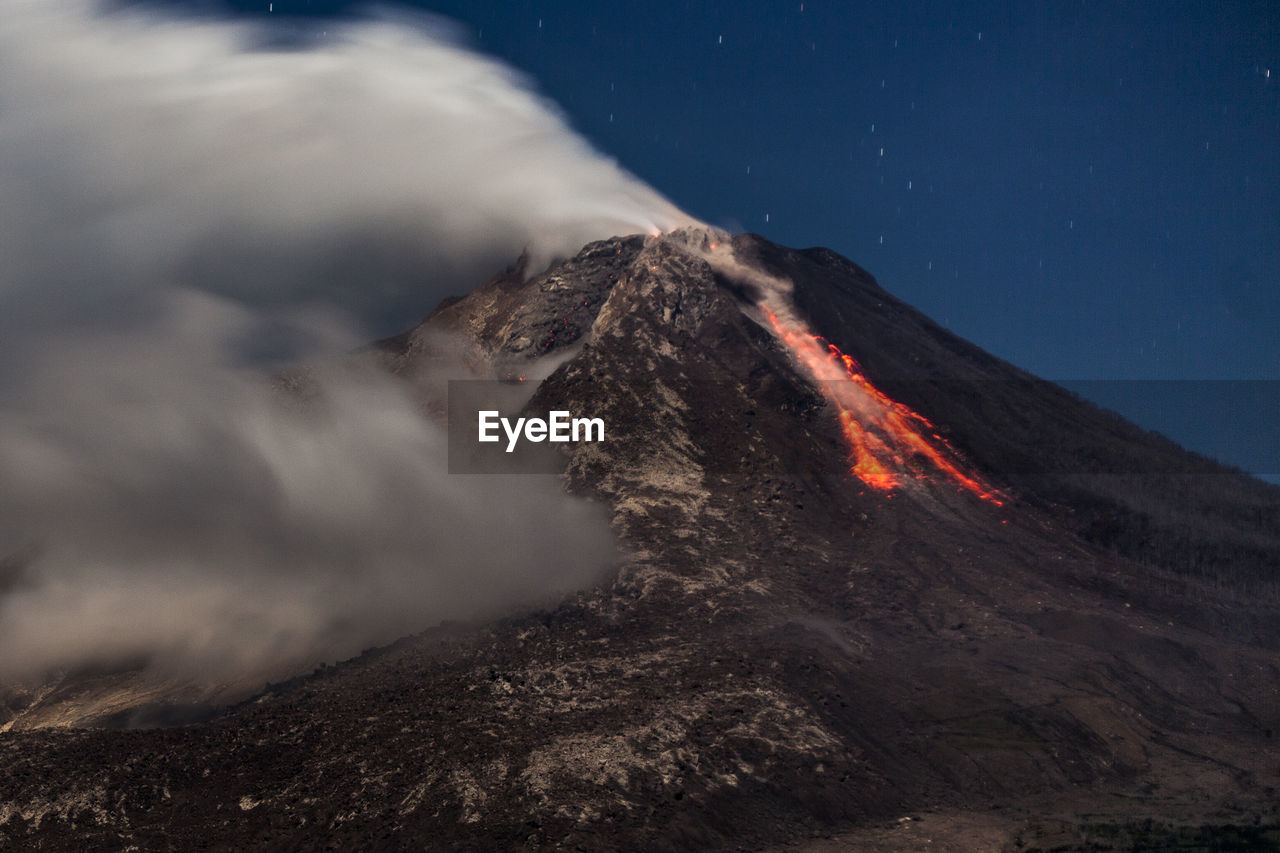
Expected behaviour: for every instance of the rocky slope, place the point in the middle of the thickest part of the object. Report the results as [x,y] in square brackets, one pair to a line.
[784,651]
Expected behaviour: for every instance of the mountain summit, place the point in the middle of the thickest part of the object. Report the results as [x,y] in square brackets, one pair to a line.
[875,579]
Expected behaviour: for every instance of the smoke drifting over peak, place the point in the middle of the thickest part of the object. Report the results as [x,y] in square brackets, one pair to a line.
[183,207]
[387,164]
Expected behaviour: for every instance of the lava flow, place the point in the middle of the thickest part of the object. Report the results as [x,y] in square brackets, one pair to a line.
[882,433]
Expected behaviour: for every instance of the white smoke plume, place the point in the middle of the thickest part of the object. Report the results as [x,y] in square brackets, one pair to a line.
[184,204]
[387,163]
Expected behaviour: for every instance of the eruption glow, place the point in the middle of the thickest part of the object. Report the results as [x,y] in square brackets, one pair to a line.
[891,445]
[884,435]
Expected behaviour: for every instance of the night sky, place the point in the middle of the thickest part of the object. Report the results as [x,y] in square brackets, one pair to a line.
[1088,189]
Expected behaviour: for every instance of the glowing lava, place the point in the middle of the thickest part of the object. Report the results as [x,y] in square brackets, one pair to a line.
[886,437]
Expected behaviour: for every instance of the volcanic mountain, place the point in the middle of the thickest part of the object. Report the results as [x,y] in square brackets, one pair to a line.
[877,584]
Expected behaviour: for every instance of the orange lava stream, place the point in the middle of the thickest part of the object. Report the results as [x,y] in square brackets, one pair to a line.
[882,433]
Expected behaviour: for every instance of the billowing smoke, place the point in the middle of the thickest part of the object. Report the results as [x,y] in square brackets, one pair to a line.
[383,167]
[186,208]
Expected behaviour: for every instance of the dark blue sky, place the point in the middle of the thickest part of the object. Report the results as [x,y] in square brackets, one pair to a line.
[1088,189]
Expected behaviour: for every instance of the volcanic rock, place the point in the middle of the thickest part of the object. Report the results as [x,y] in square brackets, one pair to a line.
[785,652]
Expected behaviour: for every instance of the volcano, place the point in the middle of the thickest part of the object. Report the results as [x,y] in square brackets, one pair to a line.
[881,590]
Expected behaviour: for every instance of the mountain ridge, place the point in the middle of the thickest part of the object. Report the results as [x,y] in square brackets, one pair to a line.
[784,651]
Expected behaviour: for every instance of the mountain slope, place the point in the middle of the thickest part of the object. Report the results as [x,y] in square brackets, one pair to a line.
[785,650]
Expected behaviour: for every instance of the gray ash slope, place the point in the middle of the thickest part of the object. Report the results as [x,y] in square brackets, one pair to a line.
[783,652]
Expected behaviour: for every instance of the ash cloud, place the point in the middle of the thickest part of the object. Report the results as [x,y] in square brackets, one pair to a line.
[379,169]
[184,208]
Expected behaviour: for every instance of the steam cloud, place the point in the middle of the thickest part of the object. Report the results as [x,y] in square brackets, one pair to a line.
[184,204]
